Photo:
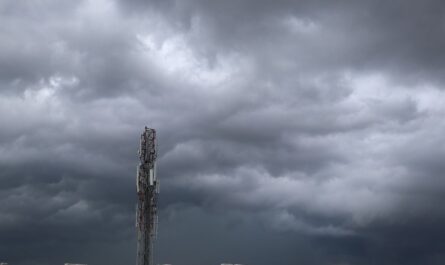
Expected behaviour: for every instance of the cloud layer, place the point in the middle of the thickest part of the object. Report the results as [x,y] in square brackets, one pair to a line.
[289,131]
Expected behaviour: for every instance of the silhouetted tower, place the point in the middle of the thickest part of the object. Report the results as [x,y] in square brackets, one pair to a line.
[147,191]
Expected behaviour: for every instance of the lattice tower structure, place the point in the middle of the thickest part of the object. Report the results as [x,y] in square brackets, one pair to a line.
[147,191]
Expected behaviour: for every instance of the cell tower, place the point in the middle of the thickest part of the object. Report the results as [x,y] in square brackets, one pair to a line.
[147,191]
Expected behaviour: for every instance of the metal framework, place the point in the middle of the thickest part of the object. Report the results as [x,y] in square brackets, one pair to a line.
[147,191]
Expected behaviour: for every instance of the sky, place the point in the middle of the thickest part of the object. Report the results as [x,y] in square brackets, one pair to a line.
[289,132]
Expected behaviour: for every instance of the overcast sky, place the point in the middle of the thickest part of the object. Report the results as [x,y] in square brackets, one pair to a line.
[290,132]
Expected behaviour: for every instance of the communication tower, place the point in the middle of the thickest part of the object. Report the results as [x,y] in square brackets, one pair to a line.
[147,187]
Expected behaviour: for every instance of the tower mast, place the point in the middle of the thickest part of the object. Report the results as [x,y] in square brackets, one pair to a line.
[147,190]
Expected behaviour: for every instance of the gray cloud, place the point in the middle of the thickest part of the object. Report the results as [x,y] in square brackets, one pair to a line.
[289,131]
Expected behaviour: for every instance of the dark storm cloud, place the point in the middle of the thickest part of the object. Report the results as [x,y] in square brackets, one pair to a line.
[289,131]
[401,37]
